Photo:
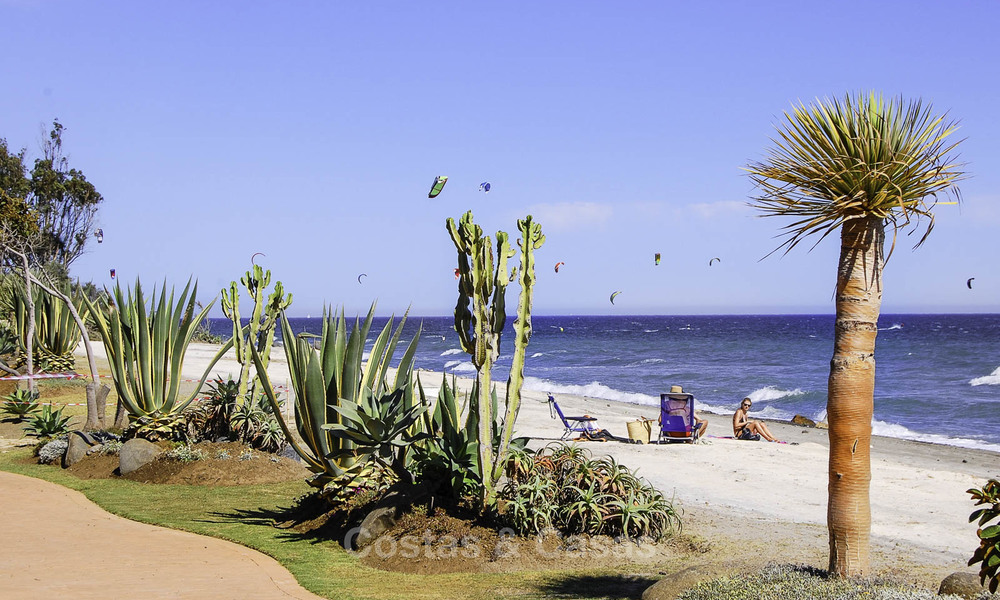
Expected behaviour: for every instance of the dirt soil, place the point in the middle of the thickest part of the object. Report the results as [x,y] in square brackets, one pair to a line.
[260,468]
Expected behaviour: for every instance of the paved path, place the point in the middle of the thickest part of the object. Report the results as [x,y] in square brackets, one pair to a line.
[74,549]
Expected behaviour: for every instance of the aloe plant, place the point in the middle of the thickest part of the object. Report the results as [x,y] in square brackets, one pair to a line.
[47,424]
[145,346]
[330,381]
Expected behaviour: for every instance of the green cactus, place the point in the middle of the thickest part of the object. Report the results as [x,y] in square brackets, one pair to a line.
[483,285]
[260,331]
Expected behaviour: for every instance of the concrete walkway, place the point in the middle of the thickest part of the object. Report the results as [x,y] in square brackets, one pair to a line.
[56,543]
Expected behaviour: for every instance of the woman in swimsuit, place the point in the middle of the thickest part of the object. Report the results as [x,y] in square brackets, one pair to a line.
[744,428]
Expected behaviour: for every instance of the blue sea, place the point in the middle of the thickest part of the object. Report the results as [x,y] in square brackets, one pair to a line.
[937,376]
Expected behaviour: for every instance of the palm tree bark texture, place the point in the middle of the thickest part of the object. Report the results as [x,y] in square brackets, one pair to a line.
[851,389]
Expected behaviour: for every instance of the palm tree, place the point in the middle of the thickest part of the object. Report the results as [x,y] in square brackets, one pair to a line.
[855,165]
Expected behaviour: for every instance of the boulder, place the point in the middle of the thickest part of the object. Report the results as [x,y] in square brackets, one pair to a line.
[803,421]
[80,443]
[961,584]
[375,524]
[135,453]
[822,425]
[674,584]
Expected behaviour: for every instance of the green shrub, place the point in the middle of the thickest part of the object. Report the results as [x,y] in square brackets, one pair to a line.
[988,553]
[561,486]
[185,453]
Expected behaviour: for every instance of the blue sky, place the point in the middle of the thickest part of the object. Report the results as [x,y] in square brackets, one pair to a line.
[312,131]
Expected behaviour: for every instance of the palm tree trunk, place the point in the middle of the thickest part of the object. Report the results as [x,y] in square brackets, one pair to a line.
[851,392]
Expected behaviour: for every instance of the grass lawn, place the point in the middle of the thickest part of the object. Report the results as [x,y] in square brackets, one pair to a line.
[242,514]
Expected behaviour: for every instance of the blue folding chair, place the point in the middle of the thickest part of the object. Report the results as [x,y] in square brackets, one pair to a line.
[677,418]
[580,425]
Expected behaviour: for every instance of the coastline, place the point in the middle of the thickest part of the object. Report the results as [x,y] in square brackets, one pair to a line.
[763,499]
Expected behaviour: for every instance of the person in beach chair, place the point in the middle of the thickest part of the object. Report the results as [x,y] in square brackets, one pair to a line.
[584,426]
[677,420]
[745,429]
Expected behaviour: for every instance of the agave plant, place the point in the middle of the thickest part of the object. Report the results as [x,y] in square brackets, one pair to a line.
[145,347]
[19,405]
[56,334]
[47,424]
[330,378]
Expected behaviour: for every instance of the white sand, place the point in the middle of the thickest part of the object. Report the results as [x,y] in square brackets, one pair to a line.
[920,508]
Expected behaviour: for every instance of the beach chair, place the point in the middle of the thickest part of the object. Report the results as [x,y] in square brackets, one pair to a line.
[677,418]
[574,425]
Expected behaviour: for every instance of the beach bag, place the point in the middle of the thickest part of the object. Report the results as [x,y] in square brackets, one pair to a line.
[750,437]
[639,431]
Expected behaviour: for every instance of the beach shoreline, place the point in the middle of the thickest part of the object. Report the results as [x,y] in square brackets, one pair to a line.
[758,498]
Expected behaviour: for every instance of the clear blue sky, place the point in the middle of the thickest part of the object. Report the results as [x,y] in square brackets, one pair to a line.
[312,131]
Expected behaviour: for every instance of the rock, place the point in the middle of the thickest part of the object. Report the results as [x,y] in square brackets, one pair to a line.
[135,453]
[803,421]
[673,584]
[288,452]
[80,443]
[961,584]
[375,524]
[822,425]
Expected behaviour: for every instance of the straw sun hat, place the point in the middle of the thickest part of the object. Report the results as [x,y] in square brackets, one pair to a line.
[676,389]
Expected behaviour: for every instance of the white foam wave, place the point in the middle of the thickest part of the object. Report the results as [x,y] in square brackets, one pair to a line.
[451,351]
[991,379]
[460,366]
[594,389]
[650,330]
[894,326]
[537,354]
[648,361]
[770,393]
[898,431]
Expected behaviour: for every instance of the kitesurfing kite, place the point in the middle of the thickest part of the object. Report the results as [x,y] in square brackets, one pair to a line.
[485,187]
[559,264]
[969,282]
[362,275]
[716,259]
[439,182]
[253,256]
[99,234]
[656,258]
[457,272]
[613,296]
[112,273]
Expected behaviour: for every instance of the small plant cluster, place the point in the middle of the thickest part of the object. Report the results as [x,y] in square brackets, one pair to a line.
[788,582]
[561,486]
[988,553]
[53,451]
[112,447]
[185,454]
[19,405]
[221,416]
[47,424]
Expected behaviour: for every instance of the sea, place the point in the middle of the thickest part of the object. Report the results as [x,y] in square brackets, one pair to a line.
[937,377]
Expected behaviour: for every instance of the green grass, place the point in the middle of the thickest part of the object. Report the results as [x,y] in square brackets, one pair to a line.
[242,514]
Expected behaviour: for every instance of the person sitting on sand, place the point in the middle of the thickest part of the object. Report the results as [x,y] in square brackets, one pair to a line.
[745,429]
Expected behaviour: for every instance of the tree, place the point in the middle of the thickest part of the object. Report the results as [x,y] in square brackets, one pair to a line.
[856,165]
[66,203]
[15,213]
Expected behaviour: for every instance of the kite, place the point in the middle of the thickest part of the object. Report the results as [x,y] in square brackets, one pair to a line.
[439,182]
[656,258]
[253,256]
[485,187]
[457,272]
[99,234]
[613,297]
[362,275]
[112,273]
[559,264]
[969,282]
[716,259]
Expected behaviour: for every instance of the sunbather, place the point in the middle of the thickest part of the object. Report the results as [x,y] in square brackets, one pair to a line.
[745,429]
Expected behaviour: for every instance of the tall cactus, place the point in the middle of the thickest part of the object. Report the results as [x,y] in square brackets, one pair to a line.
[483,285]
[260,331]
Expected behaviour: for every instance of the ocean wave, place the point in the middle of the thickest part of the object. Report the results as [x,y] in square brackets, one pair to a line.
[647,361]
[650,330]
[537,354]
[451,351]
[594,389]
[770,393]
[460,366]
[991,379]
[890,328]
[895,430]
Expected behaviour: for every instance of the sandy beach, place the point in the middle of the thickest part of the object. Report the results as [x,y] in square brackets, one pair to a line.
[767,499]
